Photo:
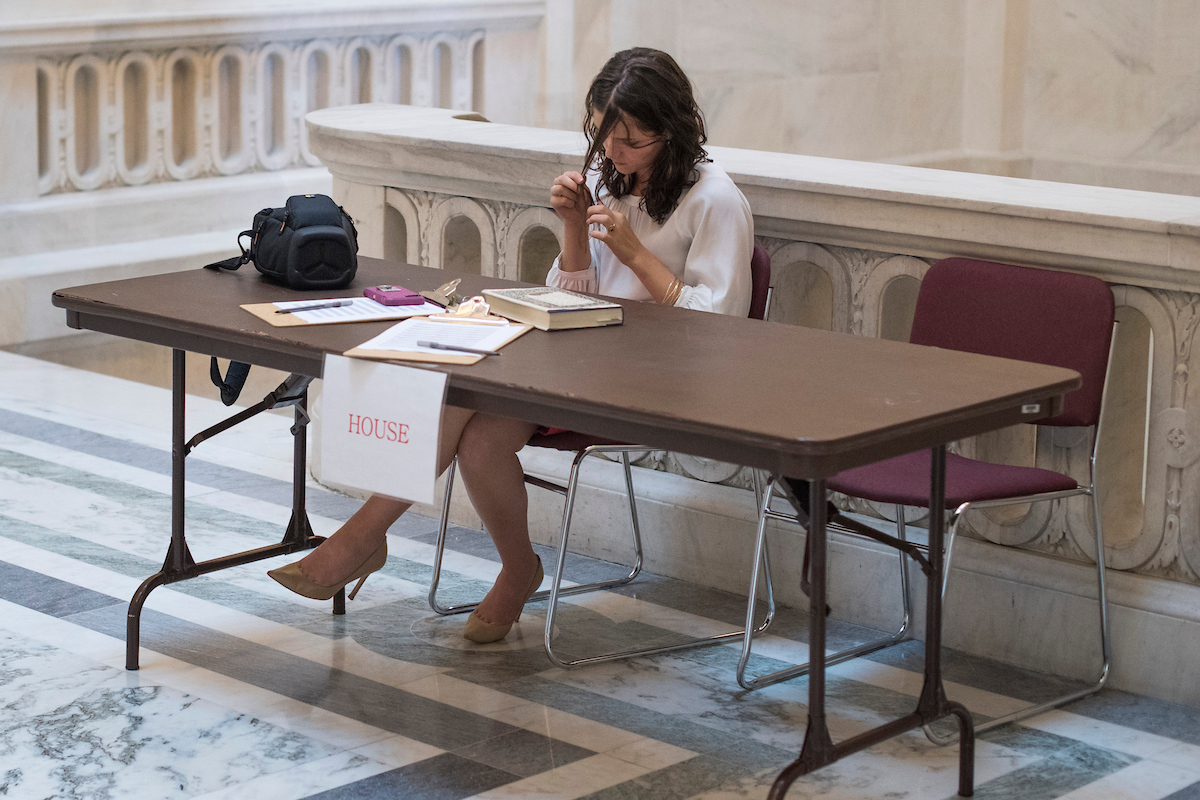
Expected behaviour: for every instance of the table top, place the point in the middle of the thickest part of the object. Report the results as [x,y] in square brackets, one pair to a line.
[797,401]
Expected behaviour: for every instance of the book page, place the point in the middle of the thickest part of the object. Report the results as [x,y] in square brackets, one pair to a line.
[560,299]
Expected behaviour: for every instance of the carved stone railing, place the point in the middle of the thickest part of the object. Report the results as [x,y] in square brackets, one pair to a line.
[138,138]
[850,242]
[136,99]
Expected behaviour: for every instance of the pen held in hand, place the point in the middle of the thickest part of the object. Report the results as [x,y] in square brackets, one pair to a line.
[315,306]
[459,348]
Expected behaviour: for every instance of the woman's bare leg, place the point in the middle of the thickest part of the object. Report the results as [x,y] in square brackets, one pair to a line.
[346,549]
[492,473]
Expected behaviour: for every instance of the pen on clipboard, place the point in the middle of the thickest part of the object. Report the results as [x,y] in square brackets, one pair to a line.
[459,348]
[315,306]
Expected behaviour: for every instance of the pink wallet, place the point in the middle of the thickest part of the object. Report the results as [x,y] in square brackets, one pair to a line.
[393,295]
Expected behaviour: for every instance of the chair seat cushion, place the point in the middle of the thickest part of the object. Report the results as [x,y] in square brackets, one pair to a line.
[905,480]
[569,441]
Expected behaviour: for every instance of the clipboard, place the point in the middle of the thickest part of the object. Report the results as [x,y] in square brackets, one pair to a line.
[266,312]
[396,343]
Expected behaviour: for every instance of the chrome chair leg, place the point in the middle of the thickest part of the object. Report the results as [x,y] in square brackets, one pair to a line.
[1105,634]
[835,658]
[440,549]
[544,594]
[557,591]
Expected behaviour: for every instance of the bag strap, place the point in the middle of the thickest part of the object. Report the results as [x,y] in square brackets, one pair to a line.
[237,261]
[235,378]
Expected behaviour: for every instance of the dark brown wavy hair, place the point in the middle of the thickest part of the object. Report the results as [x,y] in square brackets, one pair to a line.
[649,87]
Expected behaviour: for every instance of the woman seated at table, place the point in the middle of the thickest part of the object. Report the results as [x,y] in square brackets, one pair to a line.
[667,226]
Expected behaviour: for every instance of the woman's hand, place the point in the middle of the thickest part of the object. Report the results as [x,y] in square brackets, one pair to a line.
[616,232]
[570,198]
[618,235]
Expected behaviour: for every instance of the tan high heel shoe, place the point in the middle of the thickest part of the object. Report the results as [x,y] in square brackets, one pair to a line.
[478,630]
[291,577]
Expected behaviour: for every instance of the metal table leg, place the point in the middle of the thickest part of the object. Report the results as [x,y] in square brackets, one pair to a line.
[819,749]
[179,564]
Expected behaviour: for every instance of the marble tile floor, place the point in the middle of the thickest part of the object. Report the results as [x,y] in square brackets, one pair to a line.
[249,691]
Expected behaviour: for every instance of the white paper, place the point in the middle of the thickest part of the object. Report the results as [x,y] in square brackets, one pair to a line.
[403,337]
[380,425]
[362,308]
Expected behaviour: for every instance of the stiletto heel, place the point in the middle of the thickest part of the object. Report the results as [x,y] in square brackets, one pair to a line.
[357,586]
[479,630]
[292,577]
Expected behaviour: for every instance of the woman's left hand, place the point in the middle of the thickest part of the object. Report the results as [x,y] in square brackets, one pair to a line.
[615,232]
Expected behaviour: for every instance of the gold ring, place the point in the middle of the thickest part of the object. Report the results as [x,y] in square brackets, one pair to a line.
[612,228]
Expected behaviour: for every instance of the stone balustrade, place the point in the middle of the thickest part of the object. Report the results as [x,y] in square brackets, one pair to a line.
[849,243]
[139,101]
[139,140]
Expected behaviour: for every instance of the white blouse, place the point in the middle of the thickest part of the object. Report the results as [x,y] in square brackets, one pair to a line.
[706,242]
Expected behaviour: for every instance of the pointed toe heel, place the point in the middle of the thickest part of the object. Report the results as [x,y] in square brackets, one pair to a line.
[290,576]
[481,631]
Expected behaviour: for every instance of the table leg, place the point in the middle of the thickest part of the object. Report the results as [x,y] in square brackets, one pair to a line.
[818,745]
[933,703]
[818,749]
[179,558]
[179,564]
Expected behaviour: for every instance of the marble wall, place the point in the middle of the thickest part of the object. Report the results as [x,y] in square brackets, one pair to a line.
[1099,92]
[865,79]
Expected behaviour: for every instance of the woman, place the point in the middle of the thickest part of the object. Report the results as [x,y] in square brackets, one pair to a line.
[669,227]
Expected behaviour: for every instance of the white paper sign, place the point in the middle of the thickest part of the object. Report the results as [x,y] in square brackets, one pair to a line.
[380,425]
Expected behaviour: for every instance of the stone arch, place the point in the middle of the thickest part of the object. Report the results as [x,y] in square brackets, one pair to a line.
[475,71]
[876,285]
[136,133]
[399,203]
[319,90]
[51,156]
[790,275]
[454,207]
[1160,454]
[441,69]
[275,134]
[400,80]
[88,159]
[524,221]
[224,123]
[183,120]
[1124,435]
[369,78]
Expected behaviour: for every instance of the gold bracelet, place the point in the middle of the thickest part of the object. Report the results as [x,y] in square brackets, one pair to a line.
[672,294]
[676,293]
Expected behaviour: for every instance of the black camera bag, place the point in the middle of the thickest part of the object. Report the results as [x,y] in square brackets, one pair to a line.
[310,243]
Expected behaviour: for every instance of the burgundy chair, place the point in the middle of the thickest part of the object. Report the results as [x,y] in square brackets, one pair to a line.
[1027,314]
[583,446]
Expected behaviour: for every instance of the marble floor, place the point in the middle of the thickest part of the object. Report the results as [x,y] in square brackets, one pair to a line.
[248,691]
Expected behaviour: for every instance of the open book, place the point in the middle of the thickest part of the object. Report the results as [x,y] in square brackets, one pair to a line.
[553,309]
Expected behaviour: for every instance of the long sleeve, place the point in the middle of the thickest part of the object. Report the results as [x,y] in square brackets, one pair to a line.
[582,281]
[585,280]
[717,271]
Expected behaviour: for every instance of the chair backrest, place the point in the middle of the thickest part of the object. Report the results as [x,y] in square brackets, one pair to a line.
[760,282]
[1044,316]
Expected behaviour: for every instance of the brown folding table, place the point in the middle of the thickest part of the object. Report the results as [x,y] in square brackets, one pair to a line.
[794,401]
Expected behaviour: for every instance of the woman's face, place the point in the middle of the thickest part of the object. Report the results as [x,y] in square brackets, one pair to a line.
[631,148]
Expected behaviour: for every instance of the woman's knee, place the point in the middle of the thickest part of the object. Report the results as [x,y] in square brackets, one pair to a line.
[486,440]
